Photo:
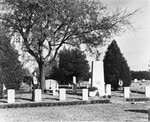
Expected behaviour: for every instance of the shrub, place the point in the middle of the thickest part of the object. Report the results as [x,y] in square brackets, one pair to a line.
[92,88]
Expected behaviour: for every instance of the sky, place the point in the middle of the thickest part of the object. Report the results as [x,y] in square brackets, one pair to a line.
[135,45]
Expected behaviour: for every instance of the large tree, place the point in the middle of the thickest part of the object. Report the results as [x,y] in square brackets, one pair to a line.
[71,63]
[51,24]
[12,69]
[116,67]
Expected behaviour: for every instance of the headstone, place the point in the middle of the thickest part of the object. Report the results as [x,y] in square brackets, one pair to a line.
[62,94]
[37,95]
[126,92]
[147,91]
[55,93]
[84,94]
[74,80]
[149,114]
[108,89]
[11,95]
[74,89]
[98,77]
[51,84]
[135,80]
[90,81]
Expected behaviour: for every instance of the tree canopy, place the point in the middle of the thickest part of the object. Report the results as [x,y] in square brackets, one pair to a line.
[12,70]
[51,24]
[140,75]
[71,63]
[116,67]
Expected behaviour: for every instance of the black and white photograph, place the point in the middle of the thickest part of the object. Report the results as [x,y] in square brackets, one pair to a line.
[74,60]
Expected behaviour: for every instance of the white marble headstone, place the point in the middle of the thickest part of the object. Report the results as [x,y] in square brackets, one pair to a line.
[84,94]
[74,88]
[98,77]
[108,89]
[74,80]
[126,92]
[11,95]
[55,92]
[147,91]
[37,95]
[62,94]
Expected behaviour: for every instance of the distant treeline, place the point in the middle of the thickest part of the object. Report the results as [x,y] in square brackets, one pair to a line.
[140,75]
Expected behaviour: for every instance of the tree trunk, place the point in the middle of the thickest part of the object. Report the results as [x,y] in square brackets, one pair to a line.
[42,76]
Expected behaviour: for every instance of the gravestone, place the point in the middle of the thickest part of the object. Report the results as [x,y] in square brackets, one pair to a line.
[90,81]
[98,77]
[126,92]
[147,91]
[62,94]
[84,94]
[108,89]
[51,84]
[74,88]
[37,95]
[11,95]
[55,92]
[135,80]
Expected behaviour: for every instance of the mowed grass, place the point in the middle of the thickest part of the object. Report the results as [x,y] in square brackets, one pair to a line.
[96,112]
[118,110]
[140,86]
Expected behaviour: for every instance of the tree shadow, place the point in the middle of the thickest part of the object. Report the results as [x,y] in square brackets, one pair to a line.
[3,101]
[51,98]
[137,110]
[75,98]
[78,94]
[24,99]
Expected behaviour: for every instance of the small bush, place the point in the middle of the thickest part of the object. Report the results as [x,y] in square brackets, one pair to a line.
[92,88]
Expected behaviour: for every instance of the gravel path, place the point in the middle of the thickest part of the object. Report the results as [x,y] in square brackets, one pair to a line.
[96,112]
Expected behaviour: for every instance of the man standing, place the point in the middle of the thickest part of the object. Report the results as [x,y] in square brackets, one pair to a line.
[34,84]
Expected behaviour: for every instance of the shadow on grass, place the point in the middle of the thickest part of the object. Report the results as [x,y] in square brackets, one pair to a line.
[78,94]
[24,99]
[137,110]
[51,98]
[23,92]
[75,98]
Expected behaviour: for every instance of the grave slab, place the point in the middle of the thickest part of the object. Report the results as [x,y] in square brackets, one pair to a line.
[74,87]
[55,93]
[108,89]
[147,91]
[37,95]
[62,94]
[126,92]
[84,94]
[11,96]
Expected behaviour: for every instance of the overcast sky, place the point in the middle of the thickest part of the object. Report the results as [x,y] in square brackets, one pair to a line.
[135,45]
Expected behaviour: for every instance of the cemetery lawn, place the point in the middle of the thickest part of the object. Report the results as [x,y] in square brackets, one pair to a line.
[94,112]
[118,110]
